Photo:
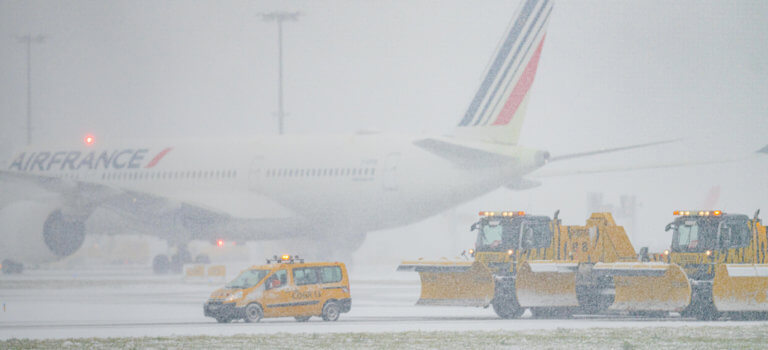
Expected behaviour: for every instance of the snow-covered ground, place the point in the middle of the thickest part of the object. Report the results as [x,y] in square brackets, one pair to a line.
[132,302]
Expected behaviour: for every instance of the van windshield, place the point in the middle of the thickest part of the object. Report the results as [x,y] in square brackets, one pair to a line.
[247,279]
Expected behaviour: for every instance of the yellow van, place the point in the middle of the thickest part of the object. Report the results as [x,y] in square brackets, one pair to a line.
[285,287]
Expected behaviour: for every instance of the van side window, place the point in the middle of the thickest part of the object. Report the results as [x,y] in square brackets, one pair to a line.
[330,274]
[302,276]
[278,279]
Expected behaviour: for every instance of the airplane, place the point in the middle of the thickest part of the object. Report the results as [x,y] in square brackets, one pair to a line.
[321,193]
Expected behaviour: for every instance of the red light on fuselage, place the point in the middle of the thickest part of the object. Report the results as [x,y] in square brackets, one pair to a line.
[220,243]
[89,140]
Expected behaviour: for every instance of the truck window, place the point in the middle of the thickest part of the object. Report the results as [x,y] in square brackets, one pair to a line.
[536,234]
[491,234]
[305,275]
[330,274]
[737,232]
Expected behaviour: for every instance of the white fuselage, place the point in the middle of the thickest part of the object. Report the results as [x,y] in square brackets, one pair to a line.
[358,183]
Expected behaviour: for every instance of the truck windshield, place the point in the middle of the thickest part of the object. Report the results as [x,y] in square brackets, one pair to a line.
[695,234]
[504,233]
[247,279]
[698,234]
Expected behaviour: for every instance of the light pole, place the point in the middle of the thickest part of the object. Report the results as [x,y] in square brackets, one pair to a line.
[29,39]
[280,17]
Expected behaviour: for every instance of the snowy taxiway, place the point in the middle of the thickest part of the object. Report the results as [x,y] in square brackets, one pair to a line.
[125,301]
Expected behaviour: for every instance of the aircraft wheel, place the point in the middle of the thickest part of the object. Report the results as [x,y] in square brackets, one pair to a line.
[202,259]
[11,267]
[160,264]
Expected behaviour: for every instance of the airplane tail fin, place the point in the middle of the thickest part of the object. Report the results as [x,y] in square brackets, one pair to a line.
[496,112]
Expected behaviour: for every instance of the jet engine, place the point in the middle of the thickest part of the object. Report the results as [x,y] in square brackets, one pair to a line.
[39,231]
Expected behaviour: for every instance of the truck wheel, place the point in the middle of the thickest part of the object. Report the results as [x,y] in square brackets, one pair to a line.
[507,309]
[253,313]
[331,311]
[223,319]
[302,318]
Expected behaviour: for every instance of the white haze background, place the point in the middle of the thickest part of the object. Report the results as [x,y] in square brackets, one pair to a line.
[611,74]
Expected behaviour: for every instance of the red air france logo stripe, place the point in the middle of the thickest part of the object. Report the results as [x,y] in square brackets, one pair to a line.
[520,90]
[159,156]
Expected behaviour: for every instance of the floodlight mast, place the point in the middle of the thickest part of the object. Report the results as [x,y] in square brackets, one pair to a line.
[280,17]
[29,39]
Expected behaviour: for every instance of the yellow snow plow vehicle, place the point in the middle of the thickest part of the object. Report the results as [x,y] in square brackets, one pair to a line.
[523,261]
[723,259]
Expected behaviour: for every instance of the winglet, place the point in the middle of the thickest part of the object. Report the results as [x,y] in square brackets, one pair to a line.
[763,150]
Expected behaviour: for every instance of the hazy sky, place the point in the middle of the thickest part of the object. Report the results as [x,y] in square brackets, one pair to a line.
[612,73]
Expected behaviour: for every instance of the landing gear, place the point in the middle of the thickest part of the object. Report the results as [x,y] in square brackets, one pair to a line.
[11,267]
[202,259]
[161,264]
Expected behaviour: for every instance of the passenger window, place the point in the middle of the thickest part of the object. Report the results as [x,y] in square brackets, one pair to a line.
[304,276]
[278,279]
[330,274]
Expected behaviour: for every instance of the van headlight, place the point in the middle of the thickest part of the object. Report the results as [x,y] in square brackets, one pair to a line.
[234,296]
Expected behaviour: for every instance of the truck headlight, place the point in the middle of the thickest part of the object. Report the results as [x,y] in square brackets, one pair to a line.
[234,296]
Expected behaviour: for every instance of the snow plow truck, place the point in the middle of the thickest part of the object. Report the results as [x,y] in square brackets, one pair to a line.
[723,260]
[716,264]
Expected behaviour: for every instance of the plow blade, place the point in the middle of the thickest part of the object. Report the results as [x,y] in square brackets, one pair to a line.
[740,287]
[648,286]
[547,284]
[453,283]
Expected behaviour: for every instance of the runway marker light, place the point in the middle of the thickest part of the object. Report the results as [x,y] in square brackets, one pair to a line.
[708,252]
[510,252]
[220,243]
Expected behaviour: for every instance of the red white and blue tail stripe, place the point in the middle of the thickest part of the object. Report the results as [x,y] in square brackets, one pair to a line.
[496,112]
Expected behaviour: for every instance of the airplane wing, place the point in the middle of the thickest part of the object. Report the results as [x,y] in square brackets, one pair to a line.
[548,172]
[166,218]
[608,150]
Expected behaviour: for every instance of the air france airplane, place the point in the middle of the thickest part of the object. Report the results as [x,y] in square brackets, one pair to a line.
[325,191]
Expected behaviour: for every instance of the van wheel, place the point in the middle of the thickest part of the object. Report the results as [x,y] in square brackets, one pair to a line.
[331,311]
[253,313]
[302,318]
